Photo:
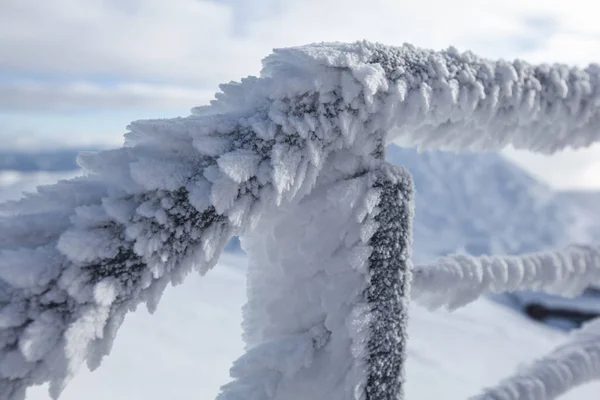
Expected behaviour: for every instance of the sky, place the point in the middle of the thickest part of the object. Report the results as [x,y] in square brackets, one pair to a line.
[75,73]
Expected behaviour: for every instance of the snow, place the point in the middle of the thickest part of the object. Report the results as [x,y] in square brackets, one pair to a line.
[239,165]
[447,359]
[456,280]
[451,100]
[131,227]
[483,204]
[185,349]
[573,363]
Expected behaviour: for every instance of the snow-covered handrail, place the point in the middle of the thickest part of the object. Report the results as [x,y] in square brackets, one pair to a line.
[75,258]
[457,280]
[574,363]
[456,101]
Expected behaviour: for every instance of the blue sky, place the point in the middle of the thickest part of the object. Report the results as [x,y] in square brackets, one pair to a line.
[77,72]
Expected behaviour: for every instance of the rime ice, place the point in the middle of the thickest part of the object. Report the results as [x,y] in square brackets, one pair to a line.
[79,255]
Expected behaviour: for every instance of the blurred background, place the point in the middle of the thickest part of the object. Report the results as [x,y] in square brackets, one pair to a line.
[75,73]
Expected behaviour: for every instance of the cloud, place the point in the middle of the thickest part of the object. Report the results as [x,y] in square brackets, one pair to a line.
[175,41]
[205,42]
[145,55]
[200,44]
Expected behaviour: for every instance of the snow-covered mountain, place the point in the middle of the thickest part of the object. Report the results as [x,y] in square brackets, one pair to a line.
[584,211]
[480,204]
[30,161]
[24,170]
[484,204]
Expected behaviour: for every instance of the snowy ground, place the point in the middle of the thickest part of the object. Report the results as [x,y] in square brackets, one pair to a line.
[184,350]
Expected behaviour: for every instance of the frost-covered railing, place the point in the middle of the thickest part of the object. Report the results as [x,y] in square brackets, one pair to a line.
[574,363]
[457,280]
[293,162]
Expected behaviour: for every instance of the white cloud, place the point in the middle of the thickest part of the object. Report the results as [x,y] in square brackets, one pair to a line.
[202,42]
[179,40]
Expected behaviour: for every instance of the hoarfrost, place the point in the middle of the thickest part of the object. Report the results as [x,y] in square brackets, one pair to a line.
[77,256]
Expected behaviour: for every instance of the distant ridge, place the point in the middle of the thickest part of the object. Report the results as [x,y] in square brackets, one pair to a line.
[47,160]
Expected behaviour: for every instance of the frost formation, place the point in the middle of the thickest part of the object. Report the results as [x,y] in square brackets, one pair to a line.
[574,363]
[328,286]
[457,280]
[79,255]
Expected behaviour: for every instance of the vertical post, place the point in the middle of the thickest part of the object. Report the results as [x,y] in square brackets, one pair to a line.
[328,291]
[388,294]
